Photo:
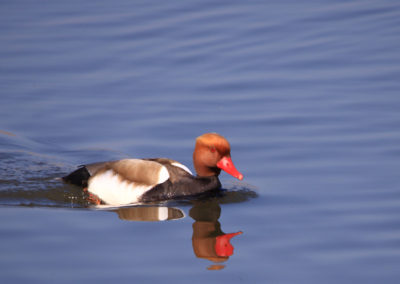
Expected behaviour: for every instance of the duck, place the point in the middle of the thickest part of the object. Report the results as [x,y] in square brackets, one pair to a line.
[130,181]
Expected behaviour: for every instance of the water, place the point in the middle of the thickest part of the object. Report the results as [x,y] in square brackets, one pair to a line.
[306,92]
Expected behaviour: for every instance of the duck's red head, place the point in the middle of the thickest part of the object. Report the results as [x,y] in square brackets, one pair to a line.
[212,154]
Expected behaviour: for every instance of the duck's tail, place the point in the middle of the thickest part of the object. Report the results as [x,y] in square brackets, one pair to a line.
[78,177]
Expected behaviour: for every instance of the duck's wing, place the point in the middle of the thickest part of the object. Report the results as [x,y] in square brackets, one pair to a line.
[176,170]
[124,181]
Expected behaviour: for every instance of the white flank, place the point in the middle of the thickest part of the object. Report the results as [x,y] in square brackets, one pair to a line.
[162,213]
[109,187]
[183,167]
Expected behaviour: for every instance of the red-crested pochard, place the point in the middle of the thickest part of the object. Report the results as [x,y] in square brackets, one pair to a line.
[142,180]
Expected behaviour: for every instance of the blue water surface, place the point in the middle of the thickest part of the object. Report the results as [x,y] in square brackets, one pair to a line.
[307,93]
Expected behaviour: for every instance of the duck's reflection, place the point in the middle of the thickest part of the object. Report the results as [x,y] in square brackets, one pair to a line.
[149,213]
[208,240]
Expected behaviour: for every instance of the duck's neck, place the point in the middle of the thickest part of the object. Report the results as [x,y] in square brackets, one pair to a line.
[204,171]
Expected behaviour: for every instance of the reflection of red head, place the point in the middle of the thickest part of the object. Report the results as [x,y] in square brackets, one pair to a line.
[222,246]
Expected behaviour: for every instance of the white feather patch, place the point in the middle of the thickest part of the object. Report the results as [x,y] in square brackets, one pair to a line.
[163,175]
[163,213]
[183,167]
[112,190]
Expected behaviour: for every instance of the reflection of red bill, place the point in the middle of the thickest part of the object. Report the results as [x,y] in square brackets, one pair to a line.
[223,247]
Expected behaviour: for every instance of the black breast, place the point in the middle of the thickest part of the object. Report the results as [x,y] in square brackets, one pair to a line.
[185,186]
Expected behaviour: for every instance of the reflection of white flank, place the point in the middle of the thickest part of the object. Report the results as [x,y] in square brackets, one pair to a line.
[162,213]
[183,167]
